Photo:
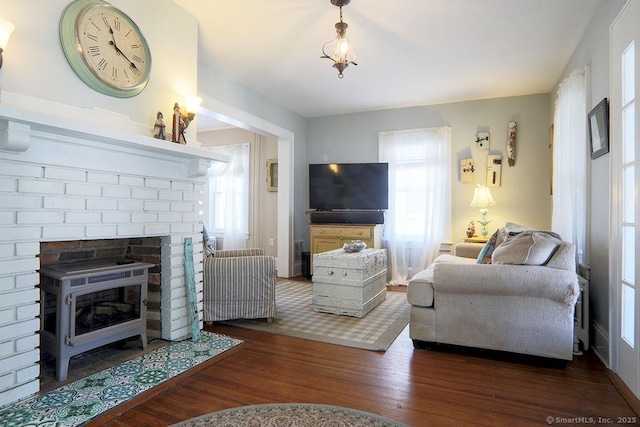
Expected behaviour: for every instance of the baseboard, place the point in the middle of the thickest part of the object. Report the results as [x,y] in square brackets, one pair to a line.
[600,343]
[625,391]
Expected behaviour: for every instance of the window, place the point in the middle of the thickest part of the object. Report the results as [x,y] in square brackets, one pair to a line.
[229,196]
[419,197]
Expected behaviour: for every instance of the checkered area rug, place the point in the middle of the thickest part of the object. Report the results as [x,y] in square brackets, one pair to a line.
[376,331]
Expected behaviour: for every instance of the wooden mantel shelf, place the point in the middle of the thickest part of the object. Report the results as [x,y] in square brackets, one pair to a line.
[18,123]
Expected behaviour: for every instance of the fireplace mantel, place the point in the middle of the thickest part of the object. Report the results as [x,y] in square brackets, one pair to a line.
[21,117]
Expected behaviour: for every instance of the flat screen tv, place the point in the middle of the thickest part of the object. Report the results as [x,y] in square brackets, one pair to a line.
[355,186]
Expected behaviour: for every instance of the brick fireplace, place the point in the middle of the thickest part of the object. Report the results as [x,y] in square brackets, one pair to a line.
[76,185]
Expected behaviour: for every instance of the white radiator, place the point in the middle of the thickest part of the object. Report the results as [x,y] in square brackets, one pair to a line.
[581,331]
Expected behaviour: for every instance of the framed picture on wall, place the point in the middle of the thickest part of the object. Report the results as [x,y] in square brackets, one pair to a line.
[599,129]
[272,175]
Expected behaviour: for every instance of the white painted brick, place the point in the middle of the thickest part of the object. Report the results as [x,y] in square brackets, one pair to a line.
[20,297]
[192,197]
[7,250]
[27,343]
[169,217]
[19,234]
[7,316]
[102,178]
[143,193]
[11,395]
[156,206]
[144,218]
[101,231]
[40,217]
[181,228]
[82,218]
[51,172]
[130,230]
[7,184]
[29,311]
[7,217]
[63,233]
[181,185]
[18,265]
[117,192]
[28,373]
[27,249]
[28,280]
[130,205]
[116,217]
[6,381]
[174,196]
[42,187]
[66,203]
[19,201]
[157,183]
[182,206]
[11,168]
[157,230]
[102,205]
[132,181]
[6,284]
[18,329]
[6,348]
[83,189]
[193,217]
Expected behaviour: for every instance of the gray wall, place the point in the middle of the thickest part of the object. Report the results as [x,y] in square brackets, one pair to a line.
[593,50]
[524,196]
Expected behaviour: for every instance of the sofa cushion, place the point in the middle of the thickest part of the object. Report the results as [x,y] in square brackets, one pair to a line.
[420,288]
[564,258]
[528,248]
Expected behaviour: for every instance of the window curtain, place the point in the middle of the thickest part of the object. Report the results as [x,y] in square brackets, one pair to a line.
[419,197]
[229,198]
[570,154]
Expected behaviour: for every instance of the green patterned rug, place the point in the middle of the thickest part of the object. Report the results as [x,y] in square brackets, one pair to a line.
[81,400]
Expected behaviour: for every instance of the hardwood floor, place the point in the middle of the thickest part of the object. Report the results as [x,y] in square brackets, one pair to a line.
[442,387]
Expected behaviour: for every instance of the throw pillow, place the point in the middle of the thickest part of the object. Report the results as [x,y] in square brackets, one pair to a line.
[484,257]
[528,248]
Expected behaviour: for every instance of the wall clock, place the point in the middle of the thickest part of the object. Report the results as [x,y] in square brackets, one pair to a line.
[105,48]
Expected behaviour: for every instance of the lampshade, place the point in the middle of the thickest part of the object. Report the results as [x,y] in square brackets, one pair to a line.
[482,197]
[6,28]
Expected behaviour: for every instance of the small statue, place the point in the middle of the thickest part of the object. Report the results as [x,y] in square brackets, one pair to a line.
[471,229]
[158,128]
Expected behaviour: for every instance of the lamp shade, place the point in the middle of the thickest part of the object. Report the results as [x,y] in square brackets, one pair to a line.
[6,28]
[482,197]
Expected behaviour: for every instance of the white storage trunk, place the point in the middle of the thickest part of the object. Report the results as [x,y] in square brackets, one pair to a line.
[350,284]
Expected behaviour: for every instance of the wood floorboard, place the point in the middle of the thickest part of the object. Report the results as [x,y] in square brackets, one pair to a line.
[446,386]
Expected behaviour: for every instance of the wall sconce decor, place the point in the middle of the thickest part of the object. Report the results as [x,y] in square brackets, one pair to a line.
[482,140]
[6,28]
[182,118]
[342,53]
[482,198]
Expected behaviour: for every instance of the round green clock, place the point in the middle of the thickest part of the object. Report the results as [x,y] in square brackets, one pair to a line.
[105,48]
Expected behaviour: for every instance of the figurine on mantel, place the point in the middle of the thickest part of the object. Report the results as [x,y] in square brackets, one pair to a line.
[158,127]
[471,229]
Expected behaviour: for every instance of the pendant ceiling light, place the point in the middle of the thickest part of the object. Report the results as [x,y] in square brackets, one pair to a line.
[339,50]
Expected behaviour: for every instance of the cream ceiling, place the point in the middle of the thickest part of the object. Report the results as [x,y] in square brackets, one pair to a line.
[410,52]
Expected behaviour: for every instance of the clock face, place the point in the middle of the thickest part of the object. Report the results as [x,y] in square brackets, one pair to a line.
[105,48]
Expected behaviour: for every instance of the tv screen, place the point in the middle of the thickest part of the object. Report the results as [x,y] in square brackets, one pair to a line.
[361,186]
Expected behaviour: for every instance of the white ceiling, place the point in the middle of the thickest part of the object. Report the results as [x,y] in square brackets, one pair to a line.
[410,52]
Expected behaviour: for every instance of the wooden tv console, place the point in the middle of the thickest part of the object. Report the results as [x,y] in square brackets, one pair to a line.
[327,237]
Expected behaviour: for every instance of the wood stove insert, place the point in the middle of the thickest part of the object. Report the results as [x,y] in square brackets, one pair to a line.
[90,304]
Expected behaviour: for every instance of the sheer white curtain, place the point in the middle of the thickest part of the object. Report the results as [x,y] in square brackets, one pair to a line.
[419,197]
[229,196]
[570,154]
